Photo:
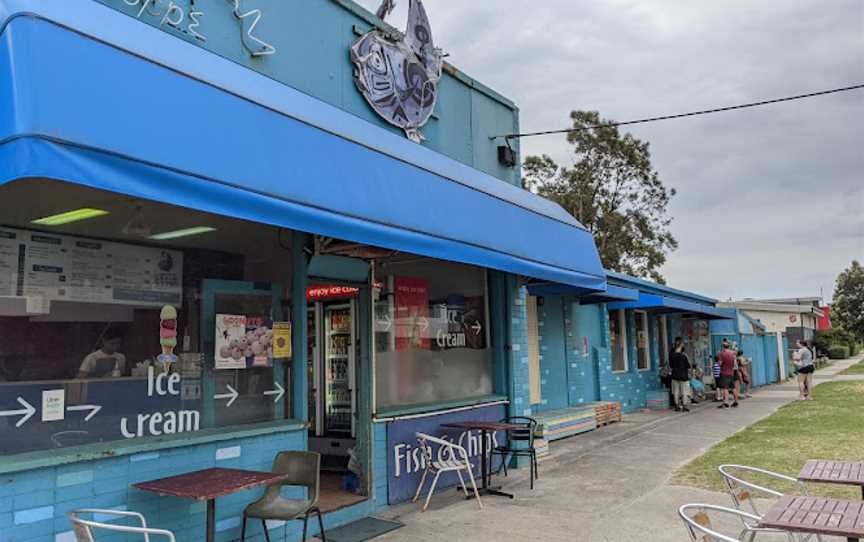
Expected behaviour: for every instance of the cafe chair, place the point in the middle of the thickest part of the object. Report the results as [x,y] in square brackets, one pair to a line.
[698,520]
[520,443]
[301,469]
[83,528]
[454,458]
[744,491]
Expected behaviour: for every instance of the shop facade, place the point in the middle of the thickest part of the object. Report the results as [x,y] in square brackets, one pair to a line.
[213,249]
[610,346]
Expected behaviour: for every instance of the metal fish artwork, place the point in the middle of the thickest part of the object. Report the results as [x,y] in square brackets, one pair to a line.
[399,75]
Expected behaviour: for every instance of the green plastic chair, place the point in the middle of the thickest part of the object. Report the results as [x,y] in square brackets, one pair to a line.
[300,469]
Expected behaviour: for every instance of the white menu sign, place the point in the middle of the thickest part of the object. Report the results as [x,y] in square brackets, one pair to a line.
[66,268]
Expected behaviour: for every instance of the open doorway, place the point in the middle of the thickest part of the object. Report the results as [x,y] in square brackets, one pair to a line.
[333,354]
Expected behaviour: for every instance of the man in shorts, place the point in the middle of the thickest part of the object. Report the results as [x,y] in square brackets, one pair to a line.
[728,360]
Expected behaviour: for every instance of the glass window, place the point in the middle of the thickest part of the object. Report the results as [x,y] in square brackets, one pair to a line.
[643,356]
[618,340]
[431,333]
[109,332]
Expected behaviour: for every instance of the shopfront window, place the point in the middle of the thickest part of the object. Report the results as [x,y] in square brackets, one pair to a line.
[431,333]
[139,320]
[618,340]
[643,356]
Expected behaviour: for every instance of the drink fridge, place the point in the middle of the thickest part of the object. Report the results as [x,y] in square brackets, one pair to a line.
[331,369]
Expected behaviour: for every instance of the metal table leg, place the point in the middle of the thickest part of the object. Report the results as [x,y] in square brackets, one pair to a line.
[487,470]
[211,520]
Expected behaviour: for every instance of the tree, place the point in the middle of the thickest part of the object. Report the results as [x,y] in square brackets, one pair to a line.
[614,191]
[847,310]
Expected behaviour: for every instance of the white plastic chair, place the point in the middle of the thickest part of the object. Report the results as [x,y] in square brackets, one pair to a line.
[744,491]
[698,522]
[83,528]
[454,458]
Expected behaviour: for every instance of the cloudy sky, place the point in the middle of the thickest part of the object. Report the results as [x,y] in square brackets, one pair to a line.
[771,200]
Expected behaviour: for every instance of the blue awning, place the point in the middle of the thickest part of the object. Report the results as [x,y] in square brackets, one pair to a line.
[612,293]
[93,97]
[662,304]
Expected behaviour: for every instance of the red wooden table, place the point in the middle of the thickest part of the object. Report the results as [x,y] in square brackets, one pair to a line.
[208,485]
[850,473]
[817,515]
[485,468]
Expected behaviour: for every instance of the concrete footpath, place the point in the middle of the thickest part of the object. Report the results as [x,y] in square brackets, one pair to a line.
[608,485]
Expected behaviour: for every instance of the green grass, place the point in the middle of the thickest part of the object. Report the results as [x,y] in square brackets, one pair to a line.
[831,426]
[856,369]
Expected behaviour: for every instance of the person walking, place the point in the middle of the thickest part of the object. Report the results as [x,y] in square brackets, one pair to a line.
[727,375]
[744,376]
[803,360]
[680,366]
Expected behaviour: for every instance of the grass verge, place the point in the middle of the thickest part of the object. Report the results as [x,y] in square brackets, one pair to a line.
[828,427]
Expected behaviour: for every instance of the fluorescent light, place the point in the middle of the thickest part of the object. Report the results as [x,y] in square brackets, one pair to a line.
[70,216]
[181,233]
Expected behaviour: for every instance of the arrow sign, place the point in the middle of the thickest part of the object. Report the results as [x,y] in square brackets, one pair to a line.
[477,328]
[232,396]
[386,322]
[94,409]
[424,323]
[25,414]
[278,392]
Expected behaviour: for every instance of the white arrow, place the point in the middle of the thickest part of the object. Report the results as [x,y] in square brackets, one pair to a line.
[278,392]
[386,322]
[424,323]
[477,328]
[25,414]
[94,409]
[230,396]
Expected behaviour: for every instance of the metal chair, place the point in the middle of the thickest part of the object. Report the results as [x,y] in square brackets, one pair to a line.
[699,525]
[453,458]
[525,436]
[83,528]
[300,469]
[744,491]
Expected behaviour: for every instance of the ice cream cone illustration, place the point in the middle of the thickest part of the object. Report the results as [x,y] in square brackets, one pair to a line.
[168,334]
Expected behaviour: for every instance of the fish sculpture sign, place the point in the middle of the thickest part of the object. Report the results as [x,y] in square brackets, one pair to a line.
[399,75]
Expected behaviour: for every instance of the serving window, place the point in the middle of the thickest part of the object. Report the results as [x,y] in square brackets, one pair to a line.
[431,333]
[124,319]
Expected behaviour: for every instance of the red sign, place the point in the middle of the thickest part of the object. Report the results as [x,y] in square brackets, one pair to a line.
[324,293]
[793,318]
[412,313]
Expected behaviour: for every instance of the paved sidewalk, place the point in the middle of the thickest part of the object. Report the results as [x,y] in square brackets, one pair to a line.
[608,485]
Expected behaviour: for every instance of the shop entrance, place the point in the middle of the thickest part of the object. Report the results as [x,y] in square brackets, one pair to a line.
[333,350]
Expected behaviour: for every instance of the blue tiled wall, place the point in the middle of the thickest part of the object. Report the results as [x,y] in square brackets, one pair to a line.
[520,394]
[379,464]
[34,504]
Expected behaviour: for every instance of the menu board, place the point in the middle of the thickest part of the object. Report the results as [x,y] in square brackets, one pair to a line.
[66,268]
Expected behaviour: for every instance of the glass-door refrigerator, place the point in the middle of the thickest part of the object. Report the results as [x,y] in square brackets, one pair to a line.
[339,384]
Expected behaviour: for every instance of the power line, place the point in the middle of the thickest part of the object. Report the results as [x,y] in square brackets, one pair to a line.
[682,115]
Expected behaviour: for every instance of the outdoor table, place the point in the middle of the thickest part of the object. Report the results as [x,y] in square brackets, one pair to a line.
[817,515]
[850,473]
[485,466]
[208,485]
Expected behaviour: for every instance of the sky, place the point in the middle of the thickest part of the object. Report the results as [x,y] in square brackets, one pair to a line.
[770,200]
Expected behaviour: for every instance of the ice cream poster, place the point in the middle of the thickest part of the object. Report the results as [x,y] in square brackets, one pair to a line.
[243,342]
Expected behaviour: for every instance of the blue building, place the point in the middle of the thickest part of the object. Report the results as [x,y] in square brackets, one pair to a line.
[610,346]
[213,249]
[765,349]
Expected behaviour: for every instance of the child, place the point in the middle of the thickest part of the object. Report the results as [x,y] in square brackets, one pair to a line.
[718,394]
[697,385]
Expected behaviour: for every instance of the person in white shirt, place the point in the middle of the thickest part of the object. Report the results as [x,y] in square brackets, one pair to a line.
[803,360]
[105,362]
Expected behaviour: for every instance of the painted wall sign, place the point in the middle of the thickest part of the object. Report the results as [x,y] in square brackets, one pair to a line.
[187,16]
[399,76]
[405,459]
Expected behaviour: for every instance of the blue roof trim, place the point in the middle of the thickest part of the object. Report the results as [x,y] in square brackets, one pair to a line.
[237,158]
[612,293]
[652,287]
[658,303]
